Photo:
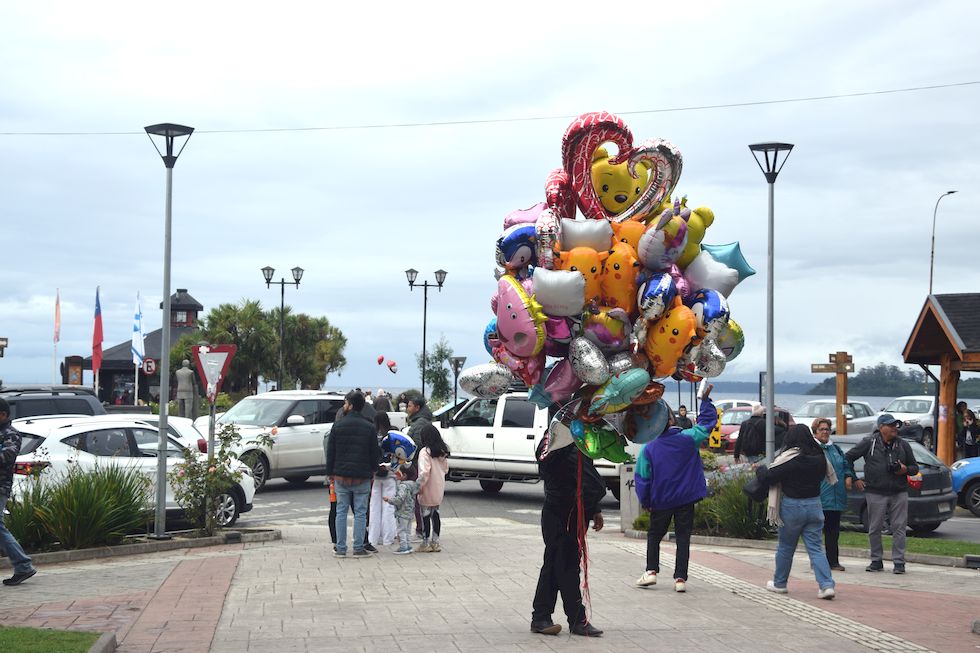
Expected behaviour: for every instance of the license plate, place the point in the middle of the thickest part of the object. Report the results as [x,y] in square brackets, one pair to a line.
[944,507]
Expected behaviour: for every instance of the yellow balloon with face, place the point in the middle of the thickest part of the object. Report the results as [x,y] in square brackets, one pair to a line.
[700,219]
[615,187]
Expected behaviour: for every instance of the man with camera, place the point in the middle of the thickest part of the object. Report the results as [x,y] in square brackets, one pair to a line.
[888,462]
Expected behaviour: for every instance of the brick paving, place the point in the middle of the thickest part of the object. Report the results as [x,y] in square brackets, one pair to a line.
[475,595]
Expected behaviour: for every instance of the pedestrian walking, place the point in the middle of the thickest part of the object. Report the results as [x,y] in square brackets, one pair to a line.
[794,479]
[353,455]
[382,527]
[833,498]
[669,482]
[888,462]
[9,450]
[433,462]
[403,502]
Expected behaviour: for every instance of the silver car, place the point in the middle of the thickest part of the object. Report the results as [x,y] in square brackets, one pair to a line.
[861,417]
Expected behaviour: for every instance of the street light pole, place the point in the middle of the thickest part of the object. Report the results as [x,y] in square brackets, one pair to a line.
[770,166]
[457,363]
[169,132]
[267,273]
[932,248]
[411,275]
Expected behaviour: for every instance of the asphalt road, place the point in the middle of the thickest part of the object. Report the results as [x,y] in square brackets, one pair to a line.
[282,502]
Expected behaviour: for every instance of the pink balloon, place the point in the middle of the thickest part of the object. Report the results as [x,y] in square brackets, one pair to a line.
[683,287]
[561,381]
[524,216]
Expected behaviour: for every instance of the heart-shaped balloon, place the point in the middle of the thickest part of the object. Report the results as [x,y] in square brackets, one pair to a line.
[589,132]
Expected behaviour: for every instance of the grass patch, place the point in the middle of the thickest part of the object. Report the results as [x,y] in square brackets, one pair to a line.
[44,640]
[930,546]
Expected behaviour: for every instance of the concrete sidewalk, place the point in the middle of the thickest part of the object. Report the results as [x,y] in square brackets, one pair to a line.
[475,595]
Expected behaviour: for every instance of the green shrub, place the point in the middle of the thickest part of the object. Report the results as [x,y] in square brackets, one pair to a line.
[725,512]
[708,460]
[23,520]
[197,482]
[642,521]
[86,509]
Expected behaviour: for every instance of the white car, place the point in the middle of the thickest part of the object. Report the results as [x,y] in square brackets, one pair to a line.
[915,410]
[728,404]
[51,444]
[861,417]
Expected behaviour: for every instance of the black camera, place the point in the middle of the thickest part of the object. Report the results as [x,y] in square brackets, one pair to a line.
[894,466]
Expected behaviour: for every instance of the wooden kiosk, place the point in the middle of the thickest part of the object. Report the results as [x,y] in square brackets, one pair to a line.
[947,334]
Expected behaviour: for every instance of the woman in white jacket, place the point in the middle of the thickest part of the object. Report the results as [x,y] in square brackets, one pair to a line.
[382,526]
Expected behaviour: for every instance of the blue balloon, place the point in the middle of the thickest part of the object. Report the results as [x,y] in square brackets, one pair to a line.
[398,447]
[649,421]
[710,308]
[656,294]
[490,337]
[515,249]
[730,255]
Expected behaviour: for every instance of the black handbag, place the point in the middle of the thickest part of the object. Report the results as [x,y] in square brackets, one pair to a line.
[755,490]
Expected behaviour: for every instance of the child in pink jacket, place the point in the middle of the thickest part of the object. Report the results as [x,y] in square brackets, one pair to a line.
[433,460]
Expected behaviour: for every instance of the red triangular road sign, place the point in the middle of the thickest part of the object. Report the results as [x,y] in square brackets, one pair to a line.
[212,365]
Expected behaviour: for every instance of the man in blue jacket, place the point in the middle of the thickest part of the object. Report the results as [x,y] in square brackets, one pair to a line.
[669,481]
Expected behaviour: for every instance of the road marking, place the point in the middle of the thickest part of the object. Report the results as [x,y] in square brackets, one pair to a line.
[855,631]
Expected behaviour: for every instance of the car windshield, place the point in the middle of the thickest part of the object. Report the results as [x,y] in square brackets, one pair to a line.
[817,409]
[257,412]
[909,406]
[730,417]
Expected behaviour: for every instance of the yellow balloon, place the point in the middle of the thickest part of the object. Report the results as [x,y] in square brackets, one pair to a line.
[615,187]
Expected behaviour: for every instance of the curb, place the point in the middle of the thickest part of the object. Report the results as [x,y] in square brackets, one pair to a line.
[104,644]
[228,537]
[920,558]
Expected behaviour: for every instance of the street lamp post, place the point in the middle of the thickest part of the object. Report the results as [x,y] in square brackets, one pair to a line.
[932,248]
[412,274]
[267,272]
[169,132]
[457,363]
[770,166]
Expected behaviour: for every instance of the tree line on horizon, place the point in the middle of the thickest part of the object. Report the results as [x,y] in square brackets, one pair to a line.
[884,380]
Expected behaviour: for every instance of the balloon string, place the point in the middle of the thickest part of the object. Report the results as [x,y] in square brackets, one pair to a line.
[582,529]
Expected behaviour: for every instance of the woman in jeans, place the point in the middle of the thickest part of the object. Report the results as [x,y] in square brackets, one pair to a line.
[794,506]
[833,498]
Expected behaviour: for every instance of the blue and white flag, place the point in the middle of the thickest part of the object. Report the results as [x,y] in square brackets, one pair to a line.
[138,336]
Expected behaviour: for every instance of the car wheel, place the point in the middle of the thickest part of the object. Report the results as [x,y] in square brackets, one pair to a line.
[259,466]
[491,487]
[228,509]
[972,497]
[297,480]
[927,439]
[925,528]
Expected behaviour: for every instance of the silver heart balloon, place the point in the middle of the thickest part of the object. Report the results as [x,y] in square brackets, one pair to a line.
[487,381]
[588,363]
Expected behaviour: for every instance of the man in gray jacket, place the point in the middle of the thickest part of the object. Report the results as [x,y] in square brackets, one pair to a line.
[9,450]
[888,462]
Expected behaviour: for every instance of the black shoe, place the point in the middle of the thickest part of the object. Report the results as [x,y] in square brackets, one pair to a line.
[17,579]
[545,627]
[585,629]
[875,565]
[362,553]
[370,547]
[899,568]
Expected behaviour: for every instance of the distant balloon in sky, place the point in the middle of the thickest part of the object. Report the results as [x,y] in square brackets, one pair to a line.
[392,367]
[381,359]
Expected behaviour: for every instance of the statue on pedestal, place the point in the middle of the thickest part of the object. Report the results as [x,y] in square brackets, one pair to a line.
[186,392]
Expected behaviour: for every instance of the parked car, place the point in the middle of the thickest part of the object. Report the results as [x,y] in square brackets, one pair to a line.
[915,410]
[728,404]
[51,445]
[30,400]
[931,496]
[966,483]
[861,417]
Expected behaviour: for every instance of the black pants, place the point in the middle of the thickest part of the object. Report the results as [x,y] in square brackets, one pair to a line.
[560,569]
[831,535]
[333,521]
[683,517]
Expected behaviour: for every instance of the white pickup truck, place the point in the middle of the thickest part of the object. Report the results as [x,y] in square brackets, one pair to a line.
[493,441]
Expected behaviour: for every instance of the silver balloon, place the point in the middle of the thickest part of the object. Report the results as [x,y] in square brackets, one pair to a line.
[709,359]
[487,381]
[588,363]
[619,363]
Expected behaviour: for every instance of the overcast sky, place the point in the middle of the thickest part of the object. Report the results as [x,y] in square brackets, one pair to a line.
[357,204]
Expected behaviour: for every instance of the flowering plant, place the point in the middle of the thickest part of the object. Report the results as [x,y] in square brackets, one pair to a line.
[199,481]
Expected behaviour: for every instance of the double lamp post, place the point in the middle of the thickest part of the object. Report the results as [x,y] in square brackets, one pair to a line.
[412,275]
[267,272]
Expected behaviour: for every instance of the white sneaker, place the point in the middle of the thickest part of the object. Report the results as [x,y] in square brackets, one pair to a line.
[771,586]
[648,578]
[826,593]
[680,585]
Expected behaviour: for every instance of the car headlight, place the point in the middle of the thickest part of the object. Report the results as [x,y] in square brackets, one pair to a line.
[958,464]
[911,422]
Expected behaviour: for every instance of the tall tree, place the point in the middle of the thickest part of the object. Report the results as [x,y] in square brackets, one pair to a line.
[437,370]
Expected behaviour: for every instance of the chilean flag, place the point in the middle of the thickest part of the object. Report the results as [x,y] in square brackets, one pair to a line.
[97,336]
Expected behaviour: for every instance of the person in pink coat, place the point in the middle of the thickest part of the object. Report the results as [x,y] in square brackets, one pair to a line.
[433,461]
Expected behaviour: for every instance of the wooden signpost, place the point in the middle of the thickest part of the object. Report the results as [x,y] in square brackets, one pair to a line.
[840,364]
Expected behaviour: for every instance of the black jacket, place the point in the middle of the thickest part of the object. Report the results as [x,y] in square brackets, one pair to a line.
[800,477]
[877,456]
[417,421]
[559,471]
[9,450]
[352,448]
[751,437]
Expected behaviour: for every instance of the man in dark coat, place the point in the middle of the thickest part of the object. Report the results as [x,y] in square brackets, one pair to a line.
[9,450]
[353,455]
[560,469]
